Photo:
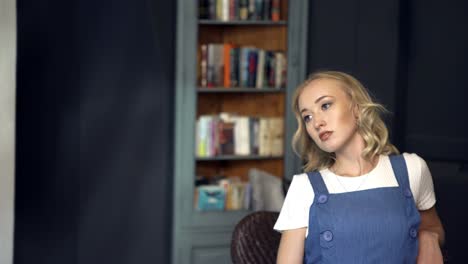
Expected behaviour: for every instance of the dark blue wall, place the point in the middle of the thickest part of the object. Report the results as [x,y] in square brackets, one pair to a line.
[94,131]
[413,57]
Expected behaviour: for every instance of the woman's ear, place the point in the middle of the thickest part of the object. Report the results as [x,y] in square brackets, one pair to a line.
[356,112]
[355,109]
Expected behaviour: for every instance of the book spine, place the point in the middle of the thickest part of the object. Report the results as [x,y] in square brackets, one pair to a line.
[203,12]
[266,11]
[234,68]
[260,69]
[219,65]
[236,10]
[241,136]
[243,9]
[251,10]
[275,10]
[271,72]
[277,134]
[258,9]
[203,65]
[252,68]
[227,65]
[263,137]
[244,66]
[212,9]
[226,137]
[210,66]
[219,9]
[232,9]
[225,12]
[280,63]
[253,131]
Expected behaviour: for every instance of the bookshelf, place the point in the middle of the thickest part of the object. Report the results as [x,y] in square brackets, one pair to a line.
[203,236]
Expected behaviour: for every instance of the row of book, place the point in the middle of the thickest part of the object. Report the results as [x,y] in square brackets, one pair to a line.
[226,65]
[228,194]
[230,134]
[228,10]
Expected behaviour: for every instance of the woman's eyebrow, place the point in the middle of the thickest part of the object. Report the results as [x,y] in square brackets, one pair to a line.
[321,97]
[316,101]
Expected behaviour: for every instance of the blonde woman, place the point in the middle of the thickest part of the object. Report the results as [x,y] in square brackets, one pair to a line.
[359,200]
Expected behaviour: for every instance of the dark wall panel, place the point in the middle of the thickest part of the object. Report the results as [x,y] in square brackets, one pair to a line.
[359,37]
[47,135]
[437,88]
[94,132]
[126,81]
[332,35]
[413,56]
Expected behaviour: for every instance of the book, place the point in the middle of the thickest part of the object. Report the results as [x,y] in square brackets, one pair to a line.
[210,65]
[243,9]
[275,10]
[253,131]
[202,136]
[264,137]
[241,136]
[280,70]
[266,11]
[234,67]
[276,136]
[227,64]
[203,65]
[203,9]
[226,137]
[252,67]
[260,75]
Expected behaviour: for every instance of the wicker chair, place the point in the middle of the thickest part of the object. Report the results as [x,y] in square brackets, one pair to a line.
[254,241]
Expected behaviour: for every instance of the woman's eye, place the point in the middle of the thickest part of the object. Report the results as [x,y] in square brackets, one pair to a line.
[307,118]
[325,106]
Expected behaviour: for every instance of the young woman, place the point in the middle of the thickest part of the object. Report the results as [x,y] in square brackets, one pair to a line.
[359,201]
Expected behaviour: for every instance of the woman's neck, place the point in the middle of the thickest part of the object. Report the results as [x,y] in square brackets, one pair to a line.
[349,160]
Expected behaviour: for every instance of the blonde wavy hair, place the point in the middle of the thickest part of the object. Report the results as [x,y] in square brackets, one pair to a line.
[369,122]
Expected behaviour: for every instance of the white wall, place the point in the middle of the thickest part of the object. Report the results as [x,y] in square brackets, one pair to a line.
[7,126]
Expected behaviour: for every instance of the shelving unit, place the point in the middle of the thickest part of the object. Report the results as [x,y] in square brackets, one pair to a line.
[203,237]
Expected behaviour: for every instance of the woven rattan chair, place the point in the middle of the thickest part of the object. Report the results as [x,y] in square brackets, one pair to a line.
[254,241]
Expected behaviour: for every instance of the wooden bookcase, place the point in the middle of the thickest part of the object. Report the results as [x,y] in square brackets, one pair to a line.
[201,237]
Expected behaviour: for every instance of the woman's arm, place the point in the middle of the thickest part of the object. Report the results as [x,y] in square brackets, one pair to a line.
[430,222]
[291,248]
[431,237]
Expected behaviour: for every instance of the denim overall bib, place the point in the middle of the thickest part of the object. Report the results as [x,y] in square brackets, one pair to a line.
[369,226]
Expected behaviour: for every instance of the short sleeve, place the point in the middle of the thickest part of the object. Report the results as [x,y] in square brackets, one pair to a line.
[421,182]
[295,210]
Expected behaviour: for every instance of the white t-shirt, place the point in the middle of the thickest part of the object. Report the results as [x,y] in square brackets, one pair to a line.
[295,210]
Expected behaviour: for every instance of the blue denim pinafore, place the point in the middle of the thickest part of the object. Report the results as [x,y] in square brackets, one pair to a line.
[369,226]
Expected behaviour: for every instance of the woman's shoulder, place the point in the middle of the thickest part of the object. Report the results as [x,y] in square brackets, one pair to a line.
[416,165]
[411,159]
[300,178]
[300,183]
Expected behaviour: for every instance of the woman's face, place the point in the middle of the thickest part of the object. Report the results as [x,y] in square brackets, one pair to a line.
[327,113]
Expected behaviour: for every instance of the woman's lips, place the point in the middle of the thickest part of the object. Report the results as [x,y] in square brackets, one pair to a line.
[325,135]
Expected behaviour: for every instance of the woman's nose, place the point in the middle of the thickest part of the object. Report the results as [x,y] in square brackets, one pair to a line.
[318,122]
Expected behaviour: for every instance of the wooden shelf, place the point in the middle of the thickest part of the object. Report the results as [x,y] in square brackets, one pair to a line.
[236,157]
[240,90]
[242,22]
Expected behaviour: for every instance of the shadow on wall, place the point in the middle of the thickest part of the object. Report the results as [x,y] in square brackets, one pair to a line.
[450,182]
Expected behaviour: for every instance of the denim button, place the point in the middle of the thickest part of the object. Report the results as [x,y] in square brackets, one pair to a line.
[328,236]
[322,198]
[413,233]
[408,193]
